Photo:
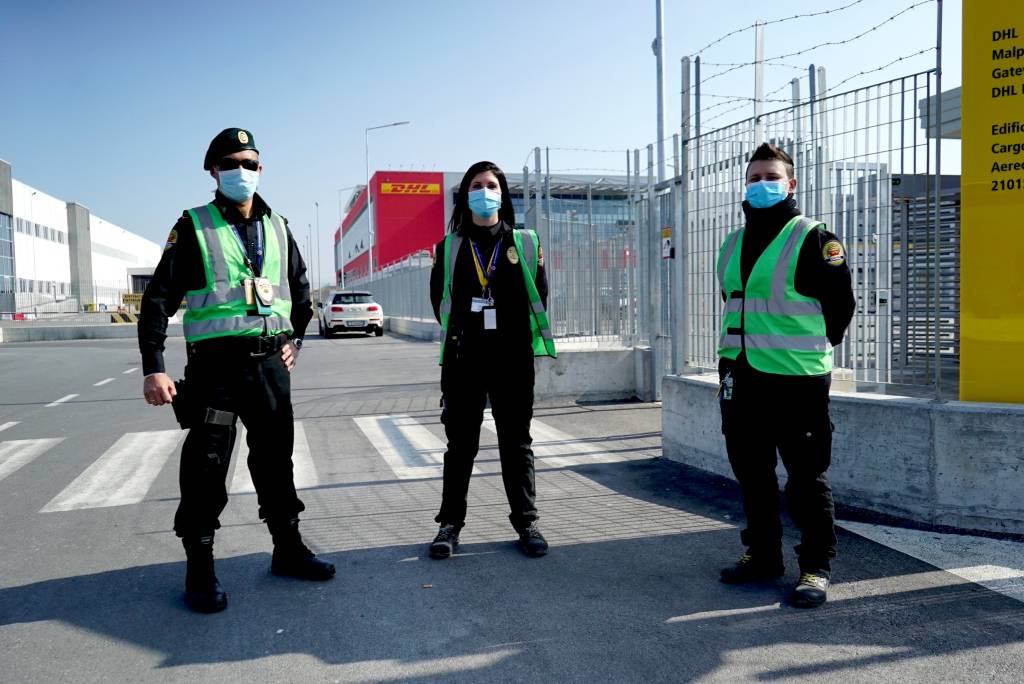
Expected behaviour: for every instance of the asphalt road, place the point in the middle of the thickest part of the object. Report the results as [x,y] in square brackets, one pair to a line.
[91,573]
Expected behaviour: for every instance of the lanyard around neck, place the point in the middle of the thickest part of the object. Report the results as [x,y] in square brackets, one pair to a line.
[478,263]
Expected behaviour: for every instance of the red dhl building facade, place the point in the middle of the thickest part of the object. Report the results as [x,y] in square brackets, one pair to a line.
[406,215]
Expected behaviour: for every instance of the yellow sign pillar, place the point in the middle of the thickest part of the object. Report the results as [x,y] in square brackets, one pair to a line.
[992,208]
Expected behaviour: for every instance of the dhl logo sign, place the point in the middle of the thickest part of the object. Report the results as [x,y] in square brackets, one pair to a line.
[410,188]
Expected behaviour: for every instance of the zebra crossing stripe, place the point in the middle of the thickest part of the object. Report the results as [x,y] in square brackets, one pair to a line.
[17,453]
[8,425]
[304,468]
[122,475]
[559,449]
[410,449]
[241,479]
[302,460]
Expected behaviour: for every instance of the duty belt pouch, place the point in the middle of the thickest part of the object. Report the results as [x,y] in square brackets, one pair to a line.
[264,292]
[183,405]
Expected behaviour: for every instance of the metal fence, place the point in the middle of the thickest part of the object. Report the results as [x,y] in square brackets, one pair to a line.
[866,169]
[865,165]
[47,298]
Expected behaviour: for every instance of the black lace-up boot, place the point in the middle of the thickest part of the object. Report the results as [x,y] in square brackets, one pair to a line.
[203,592]
[291,557]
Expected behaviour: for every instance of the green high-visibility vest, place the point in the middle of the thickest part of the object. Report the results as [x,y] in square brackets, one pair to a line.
[781,331]
[540,328]
[219,309]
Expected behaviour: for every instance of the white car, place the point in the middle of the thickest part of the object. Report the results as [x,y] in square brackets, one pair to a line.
[351,311]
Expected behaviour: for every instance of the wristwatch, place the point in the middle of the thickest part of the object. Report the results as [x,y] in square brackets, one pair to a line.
[297,343]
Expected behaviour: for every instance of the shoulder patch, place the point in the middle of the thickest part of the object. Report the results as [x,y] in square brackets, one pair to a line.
[172,239]
[833,253]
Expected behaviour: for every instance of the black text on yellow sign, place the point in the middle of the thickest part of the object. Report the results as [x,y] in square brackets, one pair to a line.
[992,191]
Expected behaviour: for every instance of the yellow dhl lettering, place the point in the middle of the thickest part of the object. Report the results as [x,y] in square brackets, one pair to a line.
[410,188]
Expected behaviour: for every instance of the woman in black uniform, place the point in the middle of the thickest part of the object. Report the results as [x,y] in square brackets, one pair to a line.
[489,293]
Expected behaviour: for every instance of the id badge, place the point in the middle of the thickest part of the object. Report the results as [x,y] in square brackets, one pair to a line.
[250,295]
[490,318]
[477,304]
[264,295]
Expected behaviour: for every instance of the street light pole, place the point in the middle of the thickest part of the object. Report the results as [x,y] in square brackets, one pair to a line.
[369,195]
[316,207]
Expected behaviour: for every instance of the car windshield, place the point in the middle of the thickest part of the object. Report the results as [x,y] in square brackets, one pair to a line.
[352,299]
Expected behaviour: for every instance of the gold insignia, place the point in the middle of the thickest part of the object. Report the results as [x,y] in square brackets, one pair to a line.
[540,256]
[172,239]
[243,137]
[513,255]
[833,253]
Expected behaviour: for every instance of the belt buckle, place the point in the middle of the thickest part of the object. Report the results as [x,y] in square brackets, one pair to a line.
[260,351]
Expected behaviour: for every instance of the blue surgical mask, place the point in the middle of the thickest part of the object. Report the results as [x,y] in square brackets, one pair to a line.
[484,202]
[766,193]
[239,185]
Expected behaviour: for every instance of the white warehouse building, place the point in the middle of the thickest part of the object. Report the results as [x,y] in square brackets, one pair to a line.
[56,256]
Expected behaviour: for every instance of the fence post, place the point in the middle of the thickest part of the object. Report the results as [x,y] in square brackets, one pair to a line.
[680,267]
[653,241]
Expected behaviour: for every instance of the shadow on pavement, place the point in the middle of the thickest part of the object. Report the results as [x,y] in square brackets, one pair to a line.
[626,610]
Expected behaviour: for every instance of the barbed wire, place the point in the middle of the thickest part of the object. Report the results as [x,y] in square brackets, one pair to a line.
[884,66]
[828,90]
[831,43]
[777,21]
[585,149]
[733,64]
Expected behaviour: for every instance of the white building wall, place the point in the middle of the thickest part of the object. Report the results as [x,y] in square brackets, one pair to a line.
[115,251]
[42,262]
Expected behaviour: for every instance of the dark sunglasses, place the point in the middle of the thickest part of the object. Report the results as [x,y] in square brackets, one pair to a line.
[227,164]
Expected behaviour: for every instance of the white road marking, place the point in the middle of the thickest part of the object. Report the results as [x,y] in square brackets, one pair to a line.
[302,460]
[130,370]
[410,449]
[993,563]
[68,397]
[304,469]
[559,449]
[101,383]
[241,479]
[9,425]
[122,475]
[20,452]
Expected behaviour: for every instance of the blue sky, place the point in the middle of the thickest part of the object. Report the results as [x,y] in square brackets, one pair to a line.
[112,104]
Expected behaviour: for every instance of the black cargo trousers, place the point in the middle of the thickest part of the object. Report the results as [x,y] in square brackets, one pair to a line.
[768,416]
[257,390]
[468,379]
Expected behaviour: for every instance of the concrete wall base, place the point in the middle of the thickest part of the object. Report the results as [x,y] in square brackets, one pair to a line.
[59,333]
[953,464]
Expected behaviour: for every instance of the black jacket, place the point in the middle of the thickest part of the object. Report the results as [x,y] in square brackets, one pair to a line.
[507,288]
[181,269]
[829,283]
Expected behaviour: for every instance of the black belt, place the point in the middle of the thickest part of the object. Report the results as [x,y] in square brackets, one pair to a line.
[258,347]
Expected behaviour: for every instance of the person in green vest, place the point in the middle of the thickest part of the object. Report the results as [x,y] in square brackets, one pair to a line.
[489,294]
[236,265]
[788,299]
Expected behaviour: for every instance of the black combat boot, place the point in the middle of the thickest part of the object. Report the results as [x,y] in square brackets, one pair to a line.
[531,541]
[291,557]
[203,592]
[752,568]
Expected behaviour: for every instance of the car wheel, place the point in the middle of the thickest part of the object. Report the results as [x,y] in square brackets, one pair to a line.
[320,328]
[379,332]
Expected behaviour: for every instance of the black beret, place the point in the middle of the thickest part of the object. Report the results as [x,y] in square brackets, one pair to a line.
[228,141]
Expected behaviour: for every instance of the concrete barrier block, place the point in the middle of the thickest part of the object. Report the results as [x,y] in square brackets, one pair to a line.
[586,375]
[955,464]
[979,465]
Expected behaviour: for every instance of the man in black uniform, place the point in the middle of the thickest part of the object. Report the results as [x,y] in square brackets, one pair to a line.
[481,361]
[248,306]
[789,299]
